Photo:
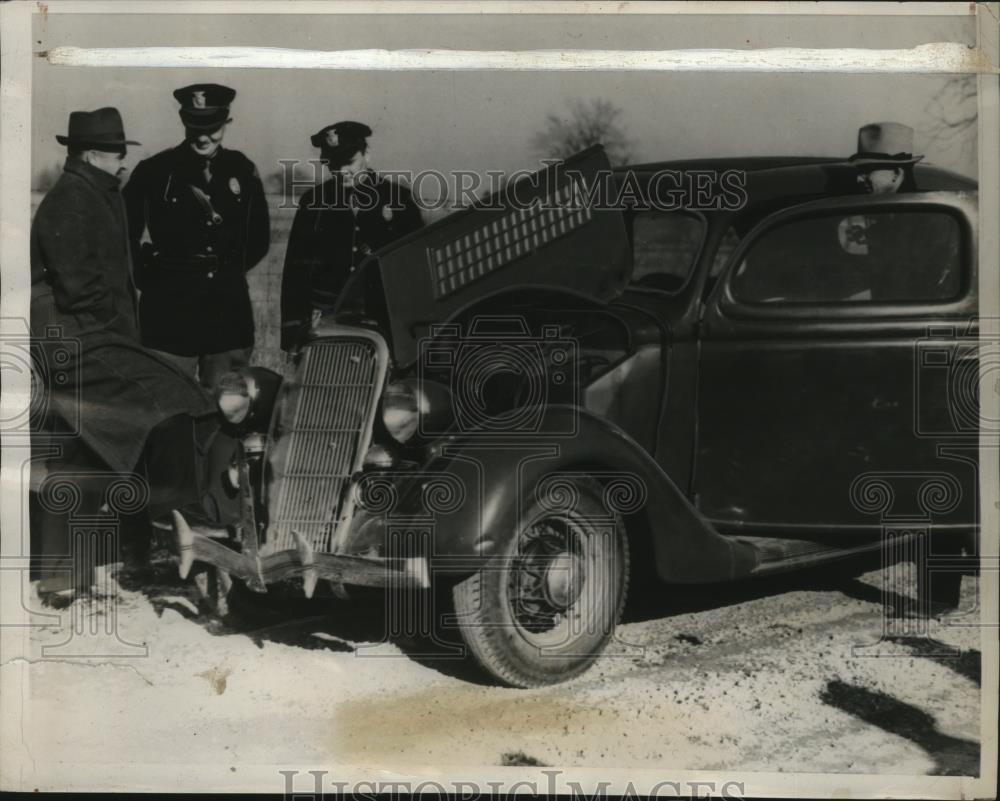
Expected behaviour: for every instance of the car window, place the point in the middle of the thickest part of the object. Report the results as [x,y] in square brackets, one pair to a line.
[880,257]
[728,244]
[665,245]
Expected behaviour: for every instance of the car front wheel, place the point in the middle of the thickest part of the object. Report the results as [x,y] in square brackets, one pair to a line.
[542,611]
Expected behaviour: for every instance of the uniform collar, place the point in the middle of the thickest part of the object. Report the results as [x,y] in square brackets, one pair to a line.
[368,176]
[187,154]
[98,178]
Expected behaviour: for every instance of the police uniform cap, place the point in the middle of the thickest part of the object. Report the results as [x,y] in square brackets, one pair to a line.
[204,106]
[341,134]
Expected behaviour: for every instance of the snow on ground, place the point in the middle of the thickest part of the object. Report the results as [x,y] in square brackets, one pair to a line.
[760,676]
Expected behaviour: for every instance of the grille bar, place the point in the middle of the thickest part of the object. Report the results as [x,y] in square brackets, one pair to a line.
[323,431]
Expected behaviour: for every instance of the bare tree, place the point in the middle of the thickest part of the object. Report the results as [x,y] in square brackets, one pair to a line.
[954,111]
[588,123]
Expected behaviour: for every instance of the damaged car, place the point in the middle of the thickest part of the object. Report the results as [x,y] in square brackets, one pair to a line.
[535,402]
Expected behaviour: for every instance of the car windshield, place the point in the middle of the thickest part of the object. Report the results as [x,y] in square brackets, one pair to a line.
[665,245]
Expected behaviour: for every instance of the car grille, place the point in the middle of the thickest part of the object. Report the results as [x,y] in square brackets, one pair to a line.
[322,433]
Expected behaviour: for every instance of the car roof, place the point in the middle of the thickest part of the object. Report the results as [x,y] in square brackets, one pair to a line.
[748,163]
[781,180]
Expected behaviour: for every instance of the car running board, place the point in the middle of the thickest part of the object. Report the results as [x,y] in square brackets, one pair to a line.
[776,554]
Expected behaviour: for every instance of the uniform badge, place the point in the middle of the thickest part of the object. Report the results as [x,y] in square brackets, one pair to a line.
[387,214]
[234,186]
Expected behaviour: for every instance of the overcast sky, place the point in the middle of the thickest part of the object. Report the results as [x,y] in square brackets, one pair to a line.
[486,120]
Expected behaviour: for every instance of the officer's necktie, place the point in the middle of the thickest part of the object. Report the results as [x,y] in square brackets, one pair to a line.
[206,171]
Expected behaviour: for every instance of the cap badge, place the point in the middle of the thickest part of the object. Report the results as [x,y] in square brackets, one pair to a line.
[234,186]
[198,99]
[387,214]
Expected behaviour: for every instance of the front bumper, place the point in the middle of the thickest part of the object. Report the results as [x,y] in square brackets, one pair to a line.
[205,544]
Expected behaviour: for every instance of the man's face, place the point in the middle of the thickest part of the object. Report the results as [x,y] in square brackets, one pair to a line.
[881,181]
[205,143]
[349,172]
[111,163]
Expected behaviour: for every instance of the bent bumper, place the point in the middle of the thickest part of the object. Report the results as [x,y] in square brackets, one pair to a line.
[203,544]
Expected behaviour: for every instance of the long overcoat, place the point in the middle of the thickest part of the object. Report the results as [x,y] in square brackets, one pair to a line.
[93,376]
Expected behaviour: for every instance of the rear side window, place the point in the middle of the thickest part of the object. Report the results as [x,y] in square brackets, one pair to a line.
[882,257]
[665,245]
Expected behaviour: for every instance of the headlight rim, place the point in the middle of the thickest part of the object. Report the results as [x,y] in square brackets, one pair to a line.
[405,390]
[250,390]
[431,409]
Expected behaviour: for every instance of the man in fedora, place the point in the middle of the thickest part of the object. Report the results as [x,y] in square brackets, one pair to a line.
[203,208]
[884,159]
[900,257]
[882,165]
[113,393]
[337,225]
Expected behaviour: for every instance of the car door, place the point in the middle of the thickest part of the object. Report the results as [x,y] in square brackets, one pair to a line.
[811,361]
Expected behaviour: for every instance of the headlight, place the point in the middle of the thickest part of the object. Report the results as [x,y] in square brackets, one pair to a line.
[401,407]
[246,397]
[235,394]
[410,405]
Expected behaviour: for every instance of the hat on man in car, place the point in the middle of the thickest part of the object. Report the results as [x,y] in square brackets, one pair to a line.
[340,141]
[204,106]
[885,143]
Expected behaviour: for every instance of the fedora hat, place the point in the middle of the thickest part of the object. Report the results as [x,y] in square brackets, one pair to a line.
[96,129]
[204,106]
[889,143]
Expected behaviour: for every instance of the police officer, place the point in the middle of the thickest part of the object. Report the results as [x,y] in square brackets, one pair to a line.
[337,225]
[203,207]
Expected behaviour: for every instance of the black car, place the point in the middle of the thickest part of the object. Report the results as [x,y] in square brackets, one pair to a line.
[536,399]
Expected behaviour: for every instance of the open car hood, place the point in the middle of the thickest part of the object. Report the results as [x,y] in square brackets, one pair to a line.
[544,232]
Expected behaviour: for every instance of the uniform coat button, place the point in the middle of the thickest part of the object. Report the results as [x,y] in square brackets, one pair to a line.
[208,248]
[355,248]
